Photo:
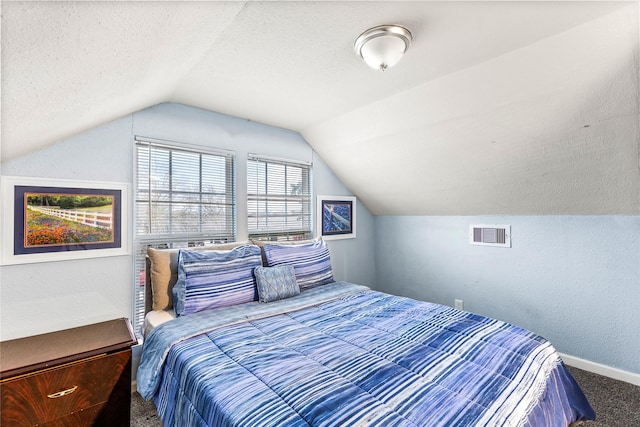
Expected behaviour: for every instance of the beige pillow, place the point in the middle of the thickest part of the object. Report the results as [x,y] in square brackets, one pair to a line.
[163,271]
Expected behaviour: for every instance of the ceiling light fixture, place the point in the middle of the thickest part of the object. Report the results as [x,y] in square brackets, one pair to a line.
[383,46]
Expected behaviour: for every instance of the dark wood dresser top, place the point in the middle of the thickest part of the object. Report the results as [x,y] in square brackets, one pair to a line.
[38,352]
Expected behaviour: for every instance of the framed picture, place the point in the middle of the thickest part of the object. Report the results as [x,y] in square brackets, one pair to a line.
[336,217]
[54,220]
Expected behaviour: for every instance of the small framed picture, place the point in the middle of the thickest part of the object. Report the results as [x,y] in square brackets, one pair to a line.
[336,217]
[55,220]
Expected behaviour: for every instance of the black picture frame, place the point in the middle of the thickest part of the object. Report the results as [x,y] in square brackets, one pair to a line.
[336,217]
[47,229]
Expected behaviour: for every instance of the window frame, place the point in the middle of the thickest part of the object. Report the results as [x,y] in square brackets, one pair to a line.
[305,198]
[142,241]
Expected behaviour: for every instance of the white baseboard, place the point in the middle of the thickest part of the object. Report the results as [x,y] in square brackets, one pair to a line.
[600,369]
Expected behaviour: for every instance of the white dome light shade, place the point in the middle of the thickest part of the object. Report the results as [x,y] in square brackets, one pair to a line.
[383,46]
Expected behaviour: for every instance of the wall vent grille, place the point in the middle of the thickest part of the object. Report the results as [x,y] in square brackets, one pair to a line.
[490,235]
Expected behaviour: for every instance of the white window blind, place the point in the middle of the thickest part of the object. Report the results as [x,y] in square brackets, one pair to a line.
[183,197]
[278,199]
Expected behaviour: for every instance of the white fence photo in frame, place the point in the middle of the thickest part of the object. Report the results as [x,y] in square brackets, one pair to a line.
[46,220]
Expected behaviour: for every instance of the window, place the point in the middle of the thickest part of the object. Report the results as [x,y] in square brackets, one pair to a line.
[278,199]
[184,197]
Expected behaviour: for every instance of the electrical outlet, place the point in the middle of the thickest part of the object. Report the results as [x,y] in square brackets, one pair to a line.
[459,305]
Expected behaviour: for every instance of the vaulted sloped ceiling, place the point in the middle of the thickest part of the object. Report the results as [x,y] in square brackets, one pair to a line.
[501,107]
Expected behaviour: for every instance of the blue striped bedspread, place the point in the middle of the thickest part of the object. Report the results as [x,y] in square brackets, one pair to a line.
[343,355]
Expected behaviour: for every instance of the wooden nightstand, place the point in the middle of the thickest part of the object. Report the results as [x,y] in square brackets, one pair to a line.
[75,377]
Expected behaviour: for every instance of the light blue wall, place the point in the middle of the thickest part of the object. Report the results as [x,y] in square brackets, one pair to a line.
[43,297]
[573,279]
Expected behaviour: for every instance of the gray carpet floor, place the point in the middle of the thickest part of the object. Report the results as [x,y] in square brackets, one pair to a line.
[617,404]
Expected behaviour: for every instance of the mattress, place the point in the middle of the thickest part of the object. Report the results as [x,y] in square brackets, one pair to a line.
[155,318]
[342,354]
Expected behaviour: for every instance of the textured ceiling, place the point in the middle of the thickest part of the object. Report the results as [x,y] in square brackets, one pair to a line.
[498,107]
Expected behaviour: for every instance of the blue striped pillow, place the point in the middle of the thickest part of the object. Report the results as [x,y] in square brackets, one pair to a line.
[211,279]
[311,262]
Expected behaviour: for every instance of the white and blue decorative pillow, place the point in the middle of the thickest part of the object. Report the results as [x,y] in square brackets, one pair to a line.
[211,279]
[311,261]
[276,283]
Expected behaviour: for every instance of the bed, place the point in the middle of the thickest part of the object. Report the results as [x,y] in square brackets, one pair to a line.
[248,335]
